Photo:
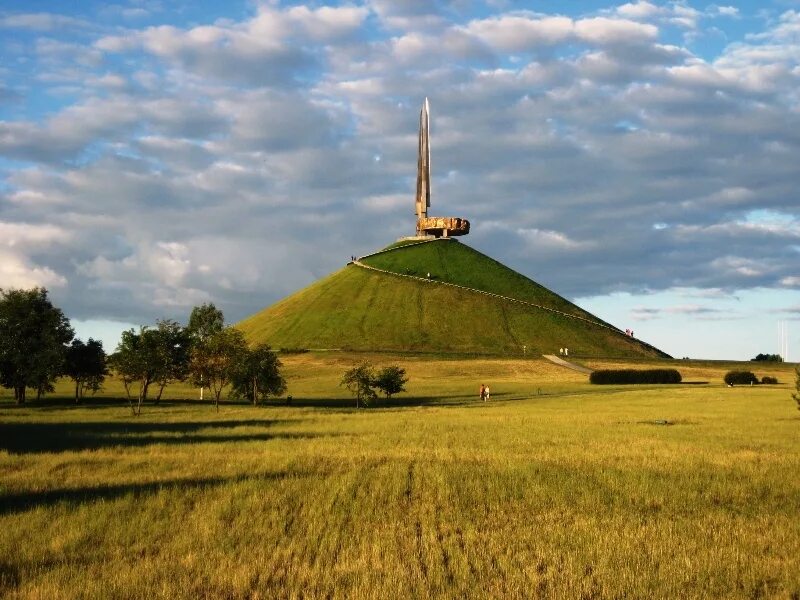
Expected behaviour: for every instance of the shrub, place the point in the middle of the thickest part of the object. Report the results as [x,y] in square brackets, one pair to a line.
[633,376]
[740,378]
[767,358]
[769,380]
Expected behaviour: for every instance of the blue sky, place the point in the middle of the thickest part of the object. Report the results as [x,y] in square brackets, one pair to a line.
[639,158]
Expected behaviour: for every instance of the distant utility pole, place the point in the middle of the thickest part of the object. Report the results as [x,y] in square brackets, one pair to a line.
[784,340]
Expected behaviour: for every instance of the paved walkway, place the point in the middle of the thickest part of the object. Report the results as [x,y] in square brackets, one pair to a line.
[563,363]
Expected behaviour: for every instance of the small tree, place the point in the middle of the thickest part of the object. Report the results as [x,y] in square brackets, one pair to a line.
[215,360]
[258,375]
[204,321]
[117,363]
[359,380]
[796,395]
[33,338]
[139,357]
[172,354]
[391,380]
[86,365]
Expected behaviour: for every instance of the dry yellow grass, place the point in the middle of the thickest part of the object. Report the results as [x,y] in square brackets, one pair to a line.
[579,492]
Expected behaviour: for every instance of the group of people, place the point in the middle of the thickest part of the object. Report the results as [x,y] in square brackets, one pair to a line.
[563,351]
[629,332]
[484,393]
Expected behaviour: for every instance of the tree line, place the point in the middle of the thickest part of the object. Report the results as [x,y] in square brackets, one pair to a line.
[38,345]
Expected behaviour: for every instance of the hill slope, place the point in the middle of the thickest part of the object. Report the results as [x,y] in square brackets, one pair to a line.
[357,308]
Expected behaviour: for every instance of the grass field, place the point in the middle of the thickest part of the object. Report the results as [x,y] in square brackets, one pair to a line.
[555,488]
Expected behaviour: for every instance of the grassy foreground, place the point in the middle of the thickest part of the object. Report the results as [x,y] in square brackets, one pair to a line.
[578,492]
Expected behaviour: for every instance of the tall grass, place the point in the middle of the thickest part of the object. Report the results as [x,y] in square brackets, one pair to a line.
[665,492]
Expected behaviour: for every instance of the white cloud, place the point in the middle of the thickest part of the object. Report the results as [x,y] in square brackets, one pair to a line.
[715,10]
[17,272]
[604,31]
[514,33]
[639,10]
[166,263]
[518,33]
[684,15]
[26,235]
[327,23]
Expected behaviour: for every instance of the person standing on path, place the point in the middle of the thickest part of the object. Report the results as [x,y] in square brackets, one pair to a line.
[483,393]
[486,393]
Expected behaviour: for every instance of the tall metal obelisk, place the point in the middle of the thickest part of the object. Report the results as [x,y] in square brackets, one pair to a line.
[431,226]
[423,165]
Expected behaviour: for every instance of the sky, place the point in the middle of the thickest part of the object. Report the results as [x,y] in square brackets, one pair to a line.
[638,158]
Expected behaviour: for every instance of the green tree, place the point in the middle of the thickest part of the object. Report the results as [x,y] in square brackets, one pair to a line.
[85,364]
[150,356]
[391,380]
[215,360]
[118,363]
[173,348]
[359,380]
[204,321]
[33,338]
[258,375]
[138,359]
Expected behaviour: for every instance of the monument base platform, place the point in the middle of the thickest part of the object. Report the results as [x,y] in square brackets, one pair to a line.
[442,226]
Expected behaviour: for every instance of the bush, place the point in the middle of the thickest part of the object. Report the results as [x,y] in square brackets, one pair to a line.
[769,380]
[632,376]
[767,358]
[740,378]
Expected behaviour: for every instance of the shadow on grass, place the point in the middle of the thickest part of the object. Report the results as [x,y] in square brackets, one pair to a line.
[17,502]
[398,402]
[151,408]
[65,402]
[22,438]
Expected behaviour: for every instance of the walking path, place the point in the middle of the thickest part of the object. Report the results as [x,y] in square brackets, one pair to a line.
[563,363]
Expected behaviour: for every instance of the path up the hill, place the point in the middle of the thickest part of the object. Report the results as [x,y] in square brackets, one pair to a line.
[563,363]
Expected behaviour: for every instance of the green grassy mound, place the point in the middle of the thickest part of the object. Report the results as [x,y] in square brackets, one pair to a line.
[358,309]
[452,262]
